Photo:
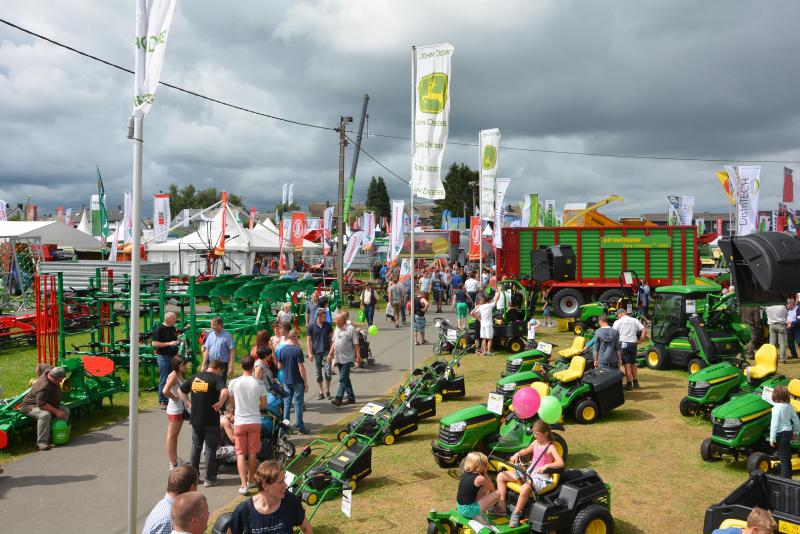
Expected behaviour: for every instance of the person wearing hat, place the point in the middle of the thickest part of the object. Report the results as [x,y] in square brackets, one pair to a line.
[43,402]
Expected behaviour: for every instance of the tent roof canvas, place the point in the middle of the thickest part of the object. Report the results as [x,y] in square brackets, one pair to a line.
[50,233]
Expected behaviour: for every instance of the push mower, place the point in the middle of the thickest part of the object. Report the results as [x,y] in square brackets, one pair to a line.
[718,383]
[450,337]
[578,502]
[438,379]
[741,425]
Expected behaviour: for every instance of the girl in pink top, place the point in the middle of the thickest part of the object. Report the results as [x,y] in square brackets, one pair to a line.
[545,456]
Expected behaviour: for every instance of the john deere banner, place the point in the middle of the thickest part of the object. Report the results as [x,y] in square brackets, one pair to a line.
[530,211]
[639,241]
[431,111]
[353,246]
[501,188]
[550,213]
[747,187]
[474,237]
[162,219]
[298,230]
[396,243]
[490,144]
[94,206]
[153,19]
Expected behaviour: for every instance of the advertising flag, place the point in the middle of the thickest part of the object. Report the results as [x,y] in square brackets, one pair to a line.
[396,241]
[3,210]
[549,212]
[728,180]
[94,206]
[701,226]
[67,216]
[501,188]
[489,148]
[60,214]
[474,237]
[286,226]
[747,193]
[162,219]
[774,221]
[285,194]
[559,218]
[298,230]
[791,221]
[788,185]
[290,200]
[153,19]
[32,212]
[313,224]
[530,211]
[353,246]
[327,220]
[686,210]
[719,225]
[369,227]
[127,219]
[112,256]
[432,98]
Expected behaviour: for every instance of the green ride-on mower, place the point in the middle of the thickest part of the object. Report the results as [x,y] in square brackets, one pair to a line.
[718,383]
[740,427]
[694,326]
[607,303]
[537,359]
[510,323]
[588,395]
[578,502]
[477,428]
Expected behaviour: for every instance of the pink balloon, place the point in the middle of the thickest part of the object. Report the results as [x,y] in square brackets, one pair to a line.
[526,402]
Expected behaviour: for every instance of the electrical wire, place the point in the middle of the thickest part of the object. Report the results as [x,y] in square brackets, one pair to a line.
[370,156]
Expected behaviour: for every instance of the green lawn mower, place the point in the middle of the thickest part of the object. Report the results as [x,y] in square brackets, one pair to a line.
[537,359]
[694,326]
[438,379]
[578,502]
[740,427]
[718,383]
[588,395]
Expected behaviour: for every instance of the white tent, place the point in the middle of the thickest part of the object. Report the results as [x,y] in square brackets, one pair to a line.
[50,233]
[187,255]
[85,225]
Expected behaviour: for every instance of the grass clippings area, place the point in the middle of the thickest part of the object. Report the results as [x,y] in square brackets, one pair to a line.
[645,450]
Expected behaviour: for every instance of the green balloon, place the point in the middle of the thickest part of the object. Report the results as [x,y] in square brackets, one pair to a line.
[373,330]
[550,410]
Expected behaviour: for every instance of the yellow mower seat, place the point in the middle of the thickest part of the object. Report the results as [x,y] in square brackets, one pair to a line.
[733,523]
[541,388]
[516,487]
[794,393]
[578,344]
[766,362]
[574,372]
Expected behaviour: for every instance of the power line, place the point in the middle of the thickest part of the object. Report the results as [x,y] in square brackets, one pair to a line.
[387,169]
[171,86]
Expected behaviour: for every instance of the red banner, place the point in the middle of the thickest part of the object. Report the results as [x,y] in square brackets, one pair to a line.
[298,229]
[719,226]
[474,238]
[788,186]
[252,218]
[60,214]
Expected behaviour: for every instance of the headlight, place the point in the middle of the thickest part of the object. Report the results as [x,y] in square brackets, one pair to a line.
[701,385]
[516,361]
[458,427]
[511,386]
[731,423]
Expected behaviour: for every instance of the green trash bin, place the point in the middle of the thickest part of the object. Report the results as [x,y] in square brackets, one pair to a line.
[59,432]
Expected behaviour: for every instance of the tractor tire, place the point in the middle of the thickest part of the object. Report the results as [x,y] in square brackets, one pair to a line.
[687,407]
[586,412]
[610,294]
[445,527]
[707,451]
[342,434]
[695,364]
[579,328]
[567,302]
[759,462]
[516,345]
[657,357]
[593,518]
[561,445]
[444,464]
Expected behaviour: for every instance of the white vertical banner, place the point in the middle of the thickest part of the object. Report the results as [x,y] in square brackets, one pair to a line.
[3,210]
[747,186]
[353,246]
[489,147]
[673,216]
[500,195]
[67,214]
[161,217]
[286,224]
[790,217]
[327,226]
[549,212]
[432,86]
[774,220]
[405,268]
[127,219]
[285,195]
[153,19]
[686,210]
[290,199]
[396,242]
[559,218]
[112,256]
[369,226]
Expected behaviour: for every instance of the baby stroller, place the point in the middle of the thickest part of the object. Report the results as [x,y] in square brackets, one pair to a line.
[448,336]
[367,360]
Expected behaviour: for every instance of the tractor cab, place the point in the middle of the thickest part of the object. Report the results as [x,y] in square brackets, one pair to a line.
[673,305]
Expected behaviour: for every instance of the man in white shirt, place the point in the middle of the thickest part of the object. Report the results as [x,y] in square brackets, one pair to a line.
[248,397]
[777,317]
[629,329]
[791,325]
[471,286]
[483,313]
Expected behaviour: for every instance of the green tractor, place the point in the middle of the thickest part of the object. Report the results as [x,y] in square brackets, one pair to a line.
[588,395]
[608,303]
[528,360]
[693,326]
[718,383]
[511,322]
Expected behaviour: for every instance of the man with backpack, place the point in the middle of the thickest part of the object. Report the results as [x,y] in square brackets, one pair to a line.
[606,346]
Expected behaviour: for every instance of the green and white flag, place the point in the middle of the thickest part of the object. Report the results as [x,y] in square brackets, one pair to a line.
[431,111]
[153,19]
[530,211]
[489,147]
[99,213]
[550,213]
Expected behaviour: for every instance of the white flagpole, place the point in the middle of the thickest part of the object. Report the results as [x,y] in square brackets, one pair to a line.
[133,405]
[411,234]
[480,220]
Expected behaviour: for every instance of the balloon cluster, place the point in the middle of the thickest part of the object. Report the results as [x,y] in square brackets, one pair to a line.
[527,402]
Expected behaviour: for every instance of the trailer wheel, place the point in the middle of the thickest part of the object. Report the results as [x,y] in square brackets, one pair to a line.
[687,407]
[610,294]
[657,357]
[516,345]
[708,452]
[594,519]
[758,461]
[567,302]
[695,364]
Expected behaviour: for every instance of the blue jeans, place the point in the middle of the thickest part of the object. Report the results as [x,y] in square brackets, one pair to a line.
[294,393]
[164,369]
[345,387]
[369,313]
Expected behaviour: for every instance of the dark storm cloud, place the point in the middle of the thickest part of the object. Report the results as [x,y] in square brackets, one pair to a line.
[714,79]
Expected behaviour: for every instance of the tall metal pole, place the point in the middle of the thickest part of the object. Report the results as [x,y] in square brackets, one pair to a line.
[137,136]
[480,219]
[340,211]
[352,181]
[411,208]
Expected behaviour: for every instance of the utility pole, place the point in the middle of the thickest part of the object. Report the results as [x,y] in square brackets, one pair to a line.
[343,121]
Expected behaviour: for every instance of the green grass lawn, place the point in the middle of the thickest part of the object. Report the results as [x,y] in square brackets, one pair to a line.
[645,450]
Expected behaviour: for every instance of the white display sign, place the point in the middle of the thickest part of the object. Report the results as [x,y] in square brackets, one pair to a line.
[371,408]
[452,335]
[766,394]
[545,348]
[495,403]
[289,478]
[691,306]
[347,501]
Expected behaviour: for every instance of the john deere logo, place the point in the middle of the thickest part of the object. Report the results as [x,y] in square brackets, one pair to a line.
[489,157]
[432,92]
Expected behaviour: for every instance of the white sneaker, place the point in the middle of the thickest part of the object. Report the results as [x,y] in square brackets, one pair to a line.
[243,491]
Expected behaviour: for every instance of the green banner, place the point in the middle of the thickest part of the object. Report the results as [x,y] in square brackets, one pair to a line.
[636,241]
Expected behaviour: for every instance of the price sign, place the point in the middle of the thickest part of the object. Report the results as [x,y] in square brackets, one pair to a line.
[766,394]
[452,335]
[545,348]
[371,408]
[495,403]
[347,501]
[289,478]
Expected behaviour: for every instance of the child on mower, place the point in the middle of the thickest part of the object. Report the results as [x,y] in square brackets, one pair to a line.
[759,521]
[533,324]
[544,456]
[476,493]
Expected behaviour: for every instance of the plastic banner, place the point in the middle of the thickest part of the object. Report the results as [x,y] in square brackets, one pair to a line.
[474,237]
[67,215]
[747,195]
[298,230]
[161,217]
[396,242]
[252,219]
[489,147]
[501,188]
[369,227]
[153,19]
[353,246]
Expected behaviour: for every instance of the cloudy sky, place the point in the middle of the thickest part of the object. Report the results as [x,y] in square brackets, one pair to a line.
[711,80]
